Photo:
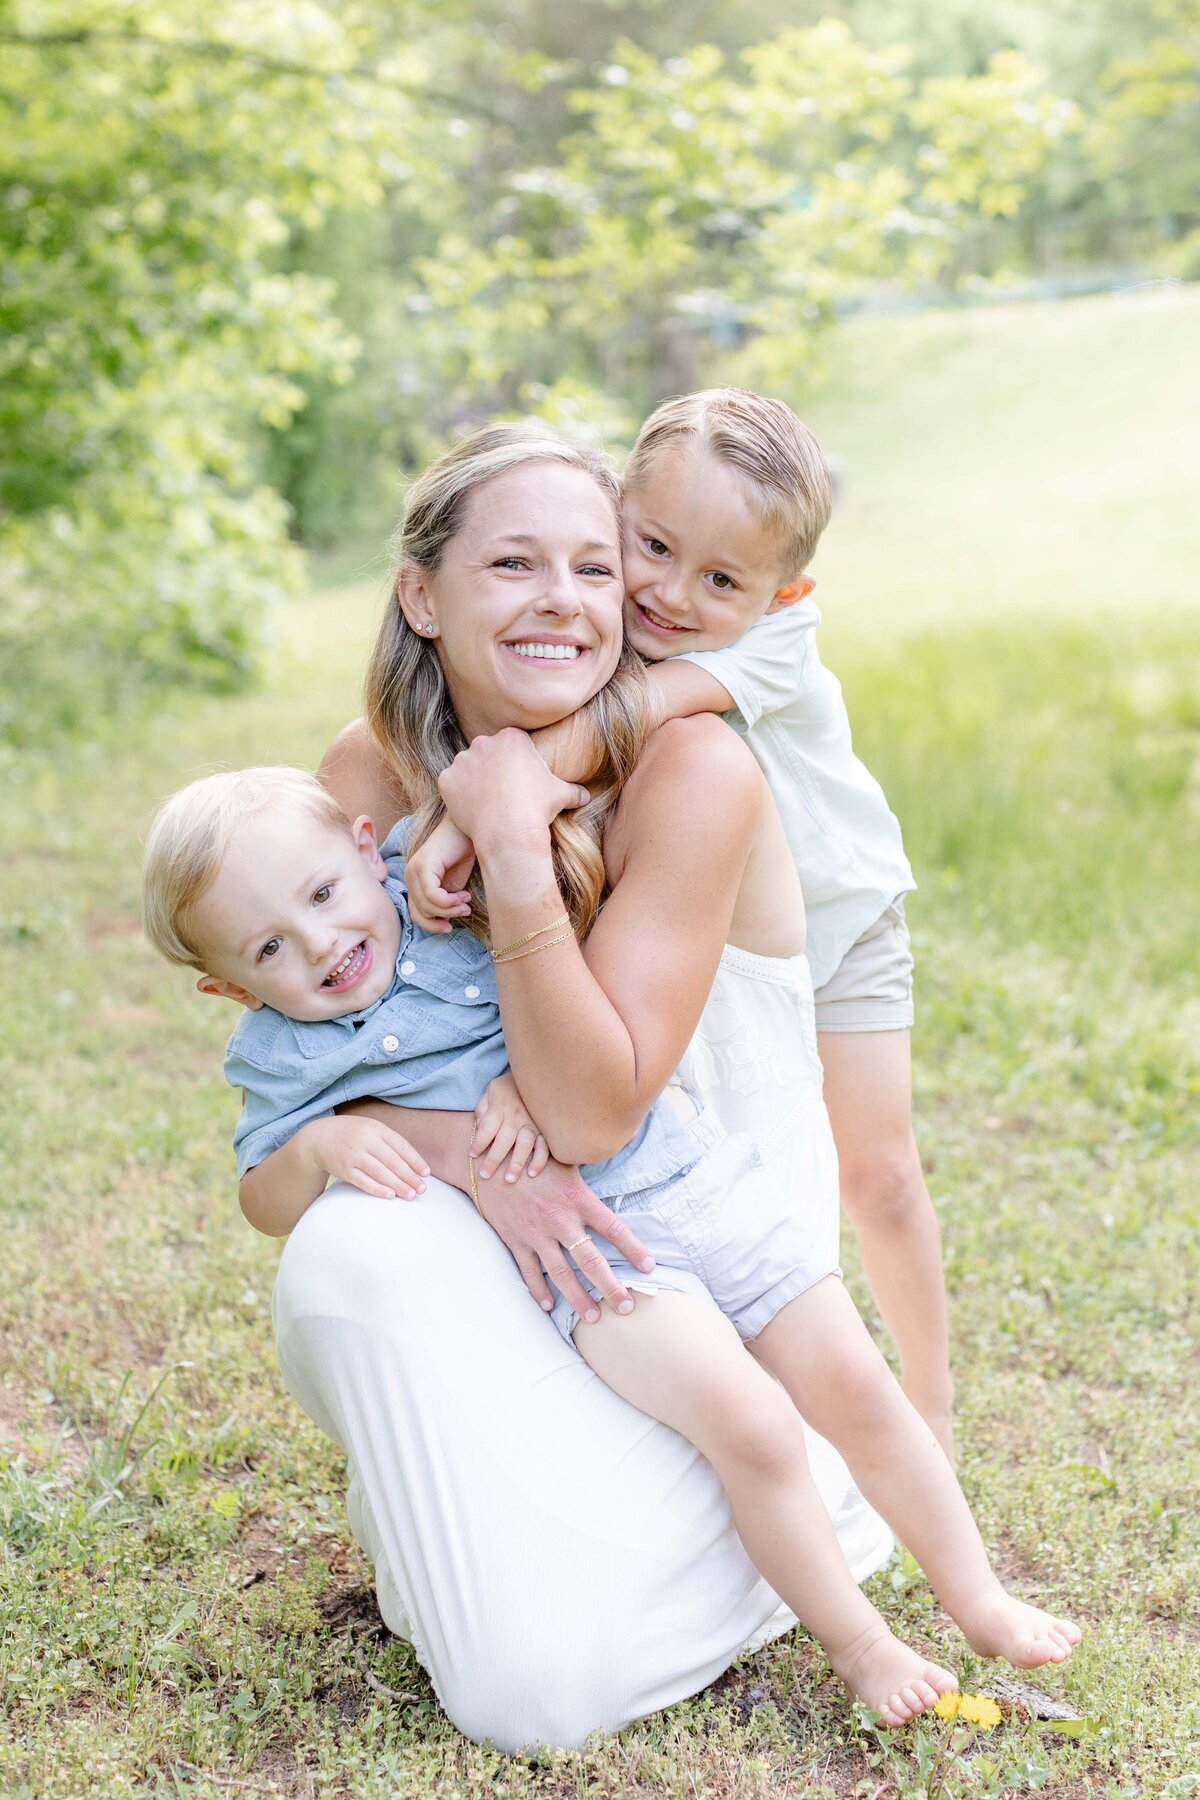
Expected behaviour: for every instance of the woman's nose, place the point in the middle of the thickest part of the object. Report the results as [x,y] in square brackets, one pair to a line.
[559,593]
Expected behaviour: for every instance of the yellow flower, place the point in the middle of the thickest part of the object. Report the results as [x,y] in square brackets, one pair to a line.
[979,1710]
[946,1706]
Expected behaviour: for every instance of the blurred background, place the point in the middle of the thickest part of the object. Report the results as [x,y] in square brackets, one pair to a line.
[259,260]
[262,260]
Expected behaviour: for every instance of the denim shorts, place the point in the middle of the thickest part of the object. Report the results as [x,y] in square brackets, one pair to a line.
[750,1233]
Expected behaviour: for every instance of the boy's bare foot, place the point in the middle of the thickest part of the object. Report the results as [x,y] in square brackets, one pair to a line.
[887,1676]
[1002,1625]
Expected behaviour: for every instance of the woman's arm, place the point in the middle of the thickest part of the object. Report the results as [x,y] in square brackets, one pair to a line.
[538,1216]
[360,780]
[593,1035]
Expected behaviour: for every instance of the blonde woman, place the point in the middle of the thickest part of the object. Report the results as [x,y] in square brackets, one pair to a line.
[561,1563]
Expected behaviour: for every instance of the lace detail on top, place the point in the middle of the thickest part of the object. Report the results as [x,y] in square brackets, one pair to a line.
[753,1057]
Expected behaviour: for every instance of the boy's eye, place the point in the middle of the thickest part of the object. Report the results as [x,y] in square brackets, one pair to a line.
[322,894]
[270,948]
[656,547]
[721,582]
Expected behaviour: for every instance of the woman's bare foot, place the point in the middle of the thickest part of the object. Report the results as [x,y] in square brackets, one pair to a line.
[1002,1625]
[887,1676]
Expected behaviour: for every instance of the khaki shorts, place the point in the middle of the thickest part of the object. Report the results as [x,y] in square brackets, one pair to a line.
[871,989]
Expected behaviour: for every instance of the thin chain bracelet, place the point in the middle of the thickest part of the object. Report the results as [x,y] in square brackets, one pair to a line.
[499,955]
[474,1189]
[548,945]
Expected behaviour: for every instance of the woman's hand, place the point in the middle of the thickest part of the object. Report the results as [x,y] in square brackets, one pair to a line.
[498,791]
[544,1220]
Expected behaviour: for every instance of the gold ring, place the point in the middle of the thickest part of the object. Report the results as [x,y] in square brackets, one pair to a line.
[576,1244]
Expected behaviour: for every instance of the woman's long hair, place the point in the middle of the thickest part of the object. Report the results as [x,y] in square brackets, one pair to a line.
[408,704]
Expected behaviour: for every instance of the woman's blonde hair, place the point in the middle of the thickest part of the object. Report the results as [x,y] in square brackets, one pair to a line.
[190,835]
[407,701]
[778,457]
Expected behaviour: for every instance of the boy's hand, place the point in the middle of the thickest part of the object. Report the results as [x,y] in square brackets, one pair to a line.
[437,875]
[370,1156]
[502,1125]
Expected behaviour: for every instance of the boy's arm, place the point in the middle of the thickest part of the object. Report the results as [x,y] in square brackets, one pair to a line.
[682,689]
[368,1153]
[678,690]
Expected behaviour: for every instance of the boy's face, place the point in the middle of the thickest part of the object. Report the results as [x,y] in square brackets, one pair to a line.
[701,565]
[298,918]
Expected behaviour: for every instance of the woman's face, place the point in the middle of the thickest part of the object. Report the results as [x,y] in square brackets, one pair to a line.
[526,603]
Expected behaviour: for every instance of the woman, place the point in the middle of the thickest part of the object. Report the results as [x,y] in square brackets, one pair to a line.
[560,1563]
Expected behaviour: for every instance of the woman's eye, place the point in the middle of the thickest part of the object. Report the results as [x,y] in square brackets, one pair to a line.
[597,569]
[270,948]
[322,894]
[510,562]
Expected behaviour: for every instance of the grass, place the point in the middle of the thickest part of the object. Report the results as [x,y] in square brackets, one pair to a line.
[184,1612]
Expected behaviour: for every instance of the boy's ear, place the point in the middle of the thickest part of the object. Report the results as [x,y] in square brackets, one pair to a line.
[412,597]
[227,990]
[791,592]
[368,849]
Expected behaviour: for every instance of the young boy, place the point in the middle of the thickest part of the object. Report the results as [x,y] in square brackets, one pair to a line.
[260,882]
[726,497]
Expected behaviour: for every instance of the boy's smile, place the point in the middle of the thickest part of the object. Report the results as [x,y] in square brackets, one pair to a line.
[701,562]
[298,918]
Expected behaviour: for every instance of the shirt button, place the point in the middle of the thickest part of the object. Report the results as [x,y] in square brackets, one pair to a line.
[471,992]
[408,968]
[391,1044]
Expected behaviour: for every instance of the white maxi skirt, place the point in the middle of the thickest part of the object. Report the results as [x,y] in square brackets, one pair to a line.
[561,1563]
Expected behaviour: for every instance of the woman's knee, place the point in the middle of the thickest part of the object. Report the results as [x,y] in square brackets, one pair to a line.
[352,1254]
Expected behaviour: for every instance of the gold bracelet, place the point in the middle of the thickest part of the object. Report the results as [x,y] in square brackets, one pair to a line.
[548,945]
[474,1189]
[562,919]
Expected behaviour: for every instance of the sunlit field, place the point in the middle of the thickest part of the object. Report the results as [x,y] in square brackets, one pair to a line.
[1010,589]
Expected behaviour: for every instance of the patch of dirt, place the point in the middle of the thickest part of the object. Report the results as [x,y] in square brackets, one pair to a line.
[31,1428]
[343,1605]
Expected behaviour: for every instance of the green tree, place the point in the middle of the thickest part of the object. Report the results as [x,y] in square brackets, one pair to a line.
[150,179]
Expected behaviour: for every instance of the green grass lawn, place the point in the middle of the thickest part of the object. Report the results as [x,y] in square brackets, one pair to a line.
[182,1611]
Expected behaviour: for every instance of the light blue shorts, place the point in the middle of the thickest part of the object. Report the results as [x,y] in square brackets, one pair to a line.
[749,1233]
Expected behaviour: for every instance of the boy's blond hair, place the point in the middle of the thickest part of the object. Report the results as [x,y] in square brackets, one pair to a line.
[190,835]
[778,457]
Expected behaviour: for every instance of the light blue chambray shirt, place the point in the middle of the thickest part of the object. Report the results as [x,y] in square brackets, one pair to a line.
[846,843]
[434,1040]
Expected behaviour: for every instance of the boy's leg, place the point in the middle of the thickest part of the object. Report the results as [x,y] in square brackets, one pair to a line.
[679,1360]
[821,1351]
[868,1091]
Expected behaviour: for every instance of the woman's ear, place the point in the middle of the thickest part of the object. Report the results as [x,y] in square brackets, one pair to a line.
[228,990]
[793,591]
[412,597]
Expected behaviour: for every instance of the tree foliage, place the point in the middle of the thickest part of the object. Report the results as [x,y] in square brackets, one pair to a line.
[256,256]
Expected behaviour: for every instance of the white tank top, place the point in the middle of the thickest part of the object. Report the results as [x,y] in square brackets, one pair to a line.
[753,1058]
